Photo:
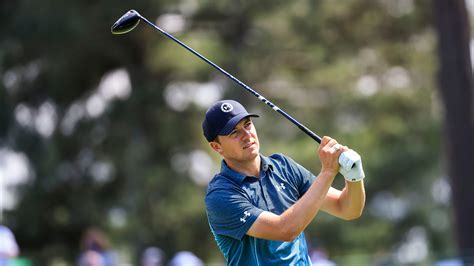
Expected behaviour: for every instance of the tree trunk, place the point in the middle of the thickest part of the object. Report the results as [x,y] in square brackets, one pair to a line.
[456,89]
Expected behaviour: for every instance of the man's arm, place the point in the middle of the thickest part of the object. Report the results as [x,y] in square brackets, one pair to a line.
[293,221]
[347,204]
[288,225]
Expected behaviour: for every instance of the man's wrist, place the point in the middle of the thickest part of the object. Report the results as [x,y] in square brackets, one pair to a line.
[327,173]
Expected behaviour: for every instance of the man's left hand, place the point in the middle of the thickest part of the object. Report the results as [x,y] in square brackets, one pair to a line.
[351,166]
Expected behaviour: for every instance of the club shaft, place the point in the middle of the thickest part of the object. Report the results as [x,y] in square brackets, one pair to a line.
[256,94]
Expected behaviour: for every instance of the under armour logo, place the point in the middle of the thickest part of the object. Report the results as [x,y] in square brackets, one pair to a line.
[244,219]
[227,107]
[280,187]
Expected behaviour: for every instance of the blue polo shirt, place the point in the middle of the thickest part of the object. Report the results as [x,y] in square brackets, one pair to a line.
[234,202]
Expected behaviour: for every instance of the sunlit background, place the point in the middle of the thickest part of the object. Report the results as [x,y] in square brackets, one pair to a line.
[103,130]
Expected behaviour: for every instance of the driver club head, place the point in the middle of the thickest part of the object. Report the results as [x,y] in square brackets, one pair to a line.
[126,23]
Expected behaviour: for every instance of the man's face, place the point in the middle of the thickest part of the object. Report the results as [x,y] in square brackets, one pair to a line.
[241,144]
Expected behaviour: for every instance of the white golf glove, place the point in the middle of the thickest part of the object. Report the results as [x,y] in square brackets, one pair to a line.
[351,166]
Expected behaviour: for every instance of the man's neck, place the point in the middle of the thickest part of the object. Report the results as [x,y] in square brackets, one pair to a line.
[247,168]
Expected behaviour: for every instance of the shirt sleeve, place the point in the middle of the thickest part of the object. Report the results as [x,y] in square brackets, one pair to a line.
[230,212]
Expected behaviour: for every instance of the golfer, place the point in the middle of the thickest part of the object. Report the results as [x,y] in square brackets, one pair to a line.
[258,206]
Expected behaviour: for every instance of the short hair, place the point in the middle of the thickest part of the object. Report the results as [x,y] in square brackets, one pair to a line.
[216,139]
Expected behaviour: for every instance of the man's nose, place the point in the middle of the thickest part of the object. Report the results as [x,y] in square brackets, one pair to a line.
[246,133]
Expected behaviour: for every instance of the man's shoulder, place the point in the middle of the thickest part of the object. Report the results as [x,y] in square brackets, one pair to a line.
[278,157]
[215,182]
[220,183]
[222,190]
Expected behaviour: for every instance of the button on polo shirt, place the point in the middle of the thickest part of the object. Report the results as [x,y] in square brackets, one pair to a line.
[234,201]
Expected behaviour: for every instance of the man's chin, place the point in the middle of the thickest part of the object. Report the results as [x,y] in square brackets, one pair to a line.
[254,153]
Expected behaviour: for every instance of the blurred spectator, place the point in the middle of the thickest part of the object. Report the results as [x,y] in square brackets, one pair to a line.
[449,262]
[91,258]
[319,255]
[96,249]
[152,256]
[8,246]
[185,258]
[320,258]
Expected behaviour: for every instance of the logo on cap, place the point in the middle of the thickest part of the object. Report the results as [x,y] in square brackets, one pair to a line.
[227,107]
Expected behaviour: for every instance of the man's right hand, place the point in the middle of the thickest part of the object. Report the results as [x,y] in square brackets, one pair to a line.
[329,152]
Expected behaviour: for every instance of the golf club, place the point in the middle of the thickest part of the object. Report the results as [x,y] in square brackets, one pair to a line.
[131,19]
[350,161]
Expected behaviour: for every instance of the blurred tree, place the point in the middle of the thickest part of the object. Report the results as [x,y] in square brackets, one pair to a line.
[456,88]
[110,125]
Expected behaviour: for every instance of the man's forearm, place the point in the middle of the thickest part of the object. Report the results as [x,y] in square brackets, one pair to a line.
[352,200]
[297,217]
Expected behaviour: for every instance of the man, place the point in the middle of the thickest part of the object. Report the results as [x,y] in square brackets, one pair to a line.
[258,206]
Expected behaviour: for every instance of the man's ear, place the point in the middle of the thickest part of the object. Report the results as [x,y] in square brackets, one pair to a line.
[216,146]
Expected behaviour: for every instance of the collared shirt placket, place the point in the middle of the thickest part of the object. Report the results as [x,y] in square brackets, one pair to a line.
[263,183]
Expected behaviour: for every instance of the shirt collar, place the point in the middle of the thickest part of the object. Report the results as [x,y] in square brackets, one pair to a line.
[266,164]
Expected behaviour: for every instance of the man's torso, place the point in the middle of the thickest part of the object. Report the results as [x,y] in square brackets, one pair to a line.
[234,202]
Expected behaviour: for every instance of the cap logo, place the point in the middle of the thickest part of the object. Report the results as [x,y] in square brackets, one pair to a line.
[227,107]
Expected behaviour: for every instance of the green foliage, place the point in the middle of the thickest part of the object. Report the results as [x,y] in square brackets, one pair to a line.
[361,71]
